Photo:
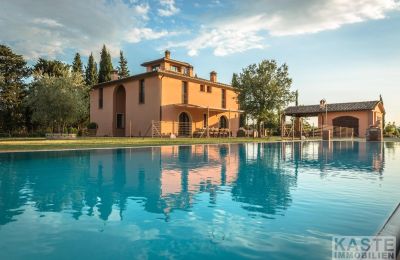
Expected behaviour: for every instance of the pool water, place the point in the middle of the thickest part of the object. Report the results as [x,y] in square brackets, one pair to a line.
[261,201]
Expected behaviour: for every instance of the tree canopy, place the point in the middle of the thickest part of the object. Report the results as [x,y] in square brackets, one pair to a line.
[58,101]
[264,90]
[52,68]
[91,76]
[123,70]
[106,66]
[13,71]
[77,65]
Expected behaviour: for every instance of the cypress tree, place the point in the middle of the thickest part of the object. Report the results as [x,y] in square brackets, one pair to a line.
[123,70]
[77,65]
[105,65]
[384,113]
[91,71]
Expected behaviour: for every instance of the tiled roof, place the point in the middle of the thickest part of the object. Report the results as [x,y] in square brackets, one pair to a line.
[334,107]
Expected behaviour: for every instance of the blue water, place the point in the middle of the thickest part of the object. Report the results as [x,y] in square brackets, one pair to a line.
[261,201]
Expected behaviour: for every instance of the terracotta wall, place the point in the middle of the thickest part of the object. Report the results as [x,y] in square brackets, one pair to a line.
[138,117]
[172,94]
[141,115]
[365,118]
[103,117]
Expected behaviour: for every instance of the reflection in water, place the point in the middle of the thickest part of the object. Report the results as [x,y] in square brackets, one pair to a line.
[231,193]
[167,178]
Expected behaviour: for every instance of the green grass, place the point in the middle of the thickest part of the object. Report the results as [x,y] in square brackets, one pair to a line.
[35,144]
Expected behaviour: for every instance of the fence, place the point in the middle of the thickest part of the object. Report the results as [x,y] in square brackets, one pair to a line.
[288,131]
[186,129]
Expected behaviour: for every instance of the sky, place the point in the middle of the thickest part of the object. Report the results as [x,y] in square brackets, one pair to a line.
[339,50]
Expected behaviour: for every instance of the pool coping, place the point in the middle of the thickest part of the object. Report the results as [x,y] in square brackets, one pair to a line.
[132,147]
[392,228]
[160,145]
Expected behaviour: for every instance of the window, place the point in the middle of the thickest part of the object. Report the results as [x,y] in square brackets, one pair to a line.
[209,89]
[155,67]
[185,71]
[184,92]
[202,89]
[100,98]
[223,122]
[223,98]
[120,121]
[141,91]
[205,120]
[174,68]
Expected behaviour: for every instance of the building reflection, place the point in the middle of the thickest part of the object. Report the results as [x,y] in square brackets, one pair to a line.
[343,155]
[164,179]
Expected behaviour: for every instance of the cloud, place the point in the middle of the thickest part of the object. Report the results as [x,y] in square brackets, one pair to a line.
[316,16]
[226,39]
[49,29]
[168,8]
[138,34]
[47,22]
[246,26]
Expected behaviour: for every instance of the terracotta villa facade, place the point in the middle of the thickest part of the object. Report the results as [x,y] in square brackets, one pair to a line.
[167,99]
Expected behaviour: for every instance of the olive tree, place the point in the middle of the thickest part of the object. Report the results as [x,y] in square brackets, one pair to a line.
[263,91]
[58,102]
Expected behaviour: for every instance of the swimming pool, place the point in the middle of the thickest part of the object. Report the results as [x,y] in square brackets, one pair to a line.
[272,200]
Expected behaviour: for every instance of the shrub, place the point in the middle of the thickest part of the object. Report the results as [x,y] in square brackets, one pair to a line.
[72,130]
[241,132]
[92,125]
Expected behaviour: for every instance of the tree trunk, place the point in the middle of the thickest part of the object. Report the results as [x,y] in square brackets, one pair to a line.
[259,127]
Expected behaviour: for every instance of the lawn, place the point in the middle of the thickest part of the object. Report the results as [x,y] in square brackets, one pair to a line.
[30,144]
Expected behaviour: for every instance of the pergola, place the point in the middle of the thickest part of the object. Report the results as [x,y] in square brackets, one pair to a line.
[324,112]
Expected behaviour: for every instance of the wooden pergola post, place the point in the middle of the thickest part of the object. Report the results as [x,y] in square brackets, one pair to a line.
[229,123]
[293,128]
[283,121]
[208,129]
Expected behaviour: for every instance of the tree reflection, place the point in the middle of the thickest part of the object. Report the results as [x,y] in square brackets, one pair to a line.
[164,179]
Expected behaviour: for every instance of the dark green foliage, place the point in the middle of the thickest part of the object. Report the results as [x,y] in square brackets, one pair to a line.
[13,71]
[91,76]
[263,91]
[123,70]
[58,102]
[77,65]
[52,68]
[105,66]
[92,125]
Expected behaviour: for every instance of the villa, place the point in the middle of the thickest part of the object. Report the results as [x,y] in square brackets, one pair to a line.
[168,99]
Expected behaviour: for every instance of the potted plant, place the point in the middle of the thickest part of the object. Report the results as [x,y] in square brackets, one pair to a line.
[92,128]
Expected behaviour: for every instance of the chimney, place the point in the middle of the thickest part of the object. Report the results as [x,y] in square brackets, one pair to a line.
[213,76]
[114,75]
[167,54]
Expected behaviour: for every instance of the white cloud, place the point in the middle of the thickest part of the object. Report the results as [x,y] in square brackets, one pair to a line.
[47,28]
[244,28]
[138,34]
[318,16]
[168,8]
[226,39]
[143,9]
[48,22]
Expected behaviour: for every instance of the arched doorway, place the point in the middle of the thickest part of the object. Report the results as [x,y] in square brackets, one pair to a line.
[223,122]
[119,111]
[185,126]
[347,121]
